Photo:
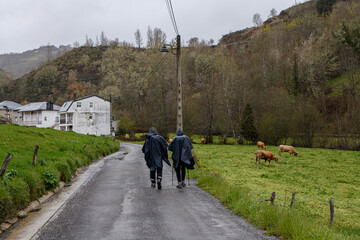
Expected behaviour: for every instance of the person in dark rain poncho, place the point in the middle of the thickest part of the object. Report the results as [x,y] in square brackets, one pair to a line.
[182,157]
[155,150]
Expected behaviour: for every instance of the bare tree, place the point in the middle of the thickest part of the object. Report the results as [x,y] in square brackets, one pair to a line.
[159,37]
[150,37]
[76,44]
[273,13]
[257,20]
[138,38]
[104,41]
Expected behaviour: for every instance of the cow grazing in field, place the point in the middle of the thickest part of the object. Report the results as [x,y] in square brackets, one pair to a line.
[203,140]
[261,145]
[267,156]
[286,148]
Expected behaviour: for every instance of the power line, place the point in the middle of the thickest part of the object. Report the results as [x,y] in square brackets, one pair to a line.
[155,68]
[172,15]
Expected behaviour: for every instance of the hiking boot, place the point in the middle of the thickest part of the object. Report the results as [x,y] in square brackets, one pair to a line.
[153,184]
[179,186]
[159,185]
[183,184]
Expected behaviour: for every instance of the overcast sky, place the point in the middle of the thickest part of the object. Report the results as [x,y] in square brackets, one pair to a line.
[28,24]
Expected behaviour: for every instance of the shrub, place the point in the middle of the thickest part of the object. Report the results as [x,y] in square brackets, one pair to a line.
[72,165]
[6,203]
[65,172]
[19,191]
[126,125]
[51,179]
[35,183]
[11,174]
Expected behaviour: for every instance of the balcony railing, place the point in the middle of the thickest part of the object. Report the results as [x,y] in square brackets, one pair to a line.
[63,121]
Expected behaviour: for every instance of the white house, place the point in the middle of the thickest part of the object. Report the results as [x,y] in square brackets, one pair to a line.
[87,115]
[37,114]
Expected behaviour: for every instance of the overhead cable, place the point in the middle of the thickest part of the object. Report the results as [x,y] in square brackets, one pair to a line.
[172,15]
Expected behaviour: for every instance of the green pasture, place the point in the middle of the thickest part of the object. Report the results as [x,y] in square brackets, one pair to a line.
[315,175]
[60,154]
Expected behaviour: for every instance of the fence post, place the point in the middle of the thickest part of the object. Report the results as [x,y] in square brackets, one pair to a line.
[5,164]
[35,155]
[332,211]
[292,201]
[273,195]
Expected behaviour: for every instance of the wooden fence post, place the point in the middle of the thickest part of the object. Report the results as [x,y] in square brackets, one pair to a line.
[273,195]
[5,164]
[292,201]
[35,155]
[332,211]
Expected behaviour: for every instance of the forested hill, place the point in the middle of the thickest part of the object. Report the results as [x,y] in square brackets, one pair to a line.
[5,78]
[21,63]
[295,77]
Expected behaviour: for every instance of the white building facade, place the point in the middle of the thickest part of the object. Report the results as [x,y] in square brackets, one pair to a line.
[38,114]
[87,115]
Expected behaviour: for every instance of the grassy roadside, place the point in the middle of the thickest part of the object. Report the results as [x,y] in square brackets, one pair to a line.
[230,174]
[60,155]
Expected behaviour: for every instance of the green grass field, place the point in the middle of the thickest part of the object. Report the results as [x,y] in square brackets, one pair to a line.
[60,155]
[315,175]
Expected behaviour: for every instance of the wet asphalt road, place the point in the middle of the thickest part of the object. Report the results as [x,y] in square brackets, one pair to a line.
[118,203]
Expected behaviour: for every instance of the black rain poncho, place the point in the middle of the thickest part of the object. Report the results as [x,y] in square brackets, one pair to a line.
[181,147]
[155,150]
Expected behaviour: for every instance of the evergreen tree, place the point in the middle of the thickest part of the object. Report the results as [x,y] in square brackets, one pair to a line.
[248,129]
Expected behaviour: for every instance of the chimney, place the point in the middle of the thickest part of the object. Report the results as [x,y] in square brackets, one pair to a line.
[74,96]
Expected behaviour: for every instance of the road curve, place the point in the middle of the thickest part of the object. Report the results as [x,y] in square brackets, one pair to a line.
[118,203]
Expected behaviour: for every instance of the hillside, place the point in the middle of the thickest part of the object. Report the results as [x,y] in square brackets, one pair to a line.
[5,77]
[22,63]
[297,77]
[60,154]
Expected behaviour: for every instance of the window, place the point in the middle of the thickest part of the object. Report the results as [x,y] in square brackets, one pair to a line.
[91,104]
[15,119]
[78,104]
[90,117]
[45,118]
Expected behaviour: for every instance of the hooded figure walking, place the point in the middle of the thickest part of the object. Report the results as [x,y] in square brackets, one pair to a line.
[182,157]
[155,150]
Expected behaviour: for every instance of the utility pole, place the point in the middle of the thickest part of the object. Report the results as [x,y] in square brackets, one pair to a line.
[179,122]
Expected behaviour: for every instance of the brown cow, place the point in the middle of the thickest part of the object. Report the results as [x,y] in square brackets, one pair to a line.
[203,140]
[268,156]
[286,148]
[261,145]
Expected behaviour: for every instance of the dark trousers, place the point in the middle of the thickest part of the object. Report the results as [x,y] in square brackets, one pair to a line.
[180,172]
[159,174]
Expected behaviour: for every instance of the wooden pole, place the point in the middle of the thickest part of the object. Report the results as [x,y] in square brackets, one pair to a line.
[292,201]
[179,121]
[5,164]
[331,211]
[273,195]
[35,155]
